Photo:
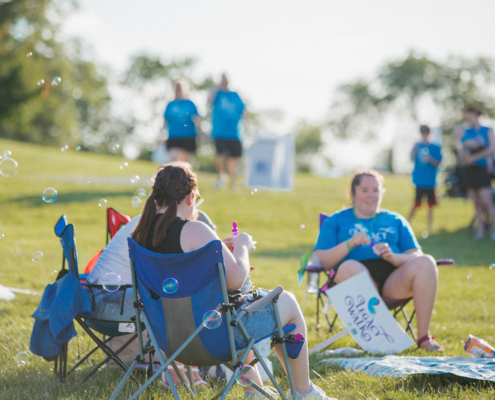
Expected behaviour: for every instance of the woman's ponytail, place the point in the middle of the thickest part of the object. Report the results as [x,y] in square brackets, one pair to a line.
[143,229]
[164,222]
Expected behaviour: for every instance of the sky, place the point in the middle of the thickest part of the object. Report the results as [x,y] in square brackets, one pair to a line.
[284,54]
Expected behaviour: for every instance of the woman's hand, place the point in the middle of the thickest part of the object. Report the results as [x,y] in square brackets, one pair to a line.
[244,240]
[384,251]
[359,239]
[228,242]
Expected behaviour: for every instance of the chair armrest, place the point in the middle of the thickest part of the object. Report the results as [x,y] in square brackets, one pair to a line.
[255,306]
[315,268]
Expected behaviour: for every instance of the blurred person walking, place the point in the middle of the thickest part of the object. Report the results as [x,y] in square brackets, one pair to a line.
[427,157]
[476,155]
[227,110]
[182,120]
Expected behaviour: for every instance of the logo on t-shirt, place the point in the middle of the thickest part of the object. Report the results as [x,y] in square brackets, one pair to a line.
[227,106]
[379,236]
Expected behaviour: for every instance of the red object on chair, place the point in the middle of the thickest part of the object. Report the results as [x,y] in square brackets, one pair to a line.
[114,221]
[92,262]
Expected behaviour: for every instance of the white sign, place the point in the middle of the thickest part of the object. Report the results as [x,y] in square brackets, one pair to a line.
[366,317]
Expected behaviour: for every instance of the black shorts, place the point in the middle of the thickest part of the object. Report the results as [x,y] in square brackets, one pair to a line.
[233,147]
[188,144]
[429,193]
[476,177]
[379,270]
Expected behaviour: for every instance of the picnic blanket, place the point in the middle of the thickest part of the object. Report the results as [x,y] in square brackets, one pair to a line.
[396,366]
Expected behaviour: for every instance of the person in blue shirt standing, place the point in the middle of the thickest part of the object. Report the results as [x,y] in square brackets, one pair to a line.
[382,243]
[182,120]
[427,157]
[476,155]
[227,110]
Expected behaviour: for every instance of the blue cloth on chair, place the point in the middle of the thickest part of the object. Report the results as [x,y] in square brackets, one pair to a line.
[62,301]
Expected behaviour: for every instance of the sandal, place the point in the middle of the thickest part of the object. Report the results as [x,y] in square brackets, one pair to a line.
[435,348]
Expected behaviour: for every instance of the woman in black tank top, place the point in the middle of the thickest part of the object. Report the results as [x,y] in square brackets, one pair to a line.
[171,243]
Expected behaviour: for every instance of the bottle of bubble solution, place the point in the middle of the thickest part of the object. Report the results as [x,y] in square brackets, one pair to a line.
[313,277]
[247,285]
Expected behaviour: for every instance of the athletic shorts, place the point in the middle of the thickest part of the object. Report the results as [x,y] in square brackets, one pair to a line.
[188,144]
[429,193]
[476,177]
[232,147]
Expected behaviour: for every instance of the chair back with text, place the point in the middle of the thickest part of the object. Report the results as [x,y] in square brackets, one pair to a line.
[174,316]
[114,221]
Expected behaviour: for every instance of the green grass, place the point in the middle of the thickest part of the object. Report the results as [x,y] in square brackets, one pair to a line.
[465,298]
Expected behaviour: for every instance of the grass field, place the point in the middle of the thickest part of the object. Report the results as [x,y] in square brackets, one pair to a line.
[284,224]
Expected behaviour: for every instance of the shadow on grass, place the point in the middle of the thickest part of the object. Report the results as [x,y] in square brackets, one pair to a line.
[71,197]
[460,246]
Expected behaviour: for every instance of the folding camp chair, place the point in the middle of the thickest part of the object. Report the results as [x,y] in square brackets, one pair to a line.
[114,222]
[105,321]
[176,291]
[396,306]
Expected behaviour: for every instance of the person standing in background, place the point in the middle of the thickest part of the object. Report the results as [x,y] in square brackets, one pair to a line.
[182,120]
[476,155]
[227,110]
[427,157]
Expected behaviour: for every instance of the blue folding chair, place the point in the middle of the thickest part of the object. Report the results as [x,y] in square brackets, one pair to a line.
[174,320]
[104,321]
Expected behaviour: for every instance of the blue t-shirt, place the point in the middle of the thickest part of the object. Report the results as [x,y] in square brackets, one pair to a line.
[481,137]
[227,109]
[425,174]
[387,227]
[179,116]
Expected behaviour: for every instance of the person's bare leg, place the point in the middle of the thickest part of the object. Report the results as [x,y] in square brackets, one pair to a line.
[257,380]
[417,278]
[430,218]
[183,155]
[350,268]
[219,165]
[474,195]
[231,168]
[486,200]
[411,215]
[173,153]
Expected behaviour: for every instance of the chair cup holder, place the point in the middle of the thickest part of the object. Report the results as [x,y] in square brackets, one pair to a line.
[294,346]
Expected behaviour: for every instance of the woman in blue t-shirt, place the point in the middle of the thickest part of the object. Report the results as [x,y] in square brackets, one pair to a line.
[367,238]
[476,155]
[181,119]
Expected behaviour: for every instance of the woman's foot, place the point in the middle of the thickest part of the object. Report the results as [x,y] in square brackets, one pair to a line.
[427,343]
[315,393]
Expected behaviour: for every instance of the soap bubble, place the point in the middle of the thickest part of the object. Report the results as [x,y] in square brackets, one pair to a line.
[78,148]
[8,167]
[22,358]
[142,192]
[136,202]
[425,151]
[1,236]
[491,265]
[41,82]
[115,147]
[303,226]
[123,165]
[102,202]
[254,191]
[212,319]
[111,282]
[245,375]
[29,54]
[54,272]
[469,276]
[56,81]
[135,178]
[66,147]
[18,36]
[5,154]
[37,257]
[170,285]
[62,149]
[424,234]
[49,195]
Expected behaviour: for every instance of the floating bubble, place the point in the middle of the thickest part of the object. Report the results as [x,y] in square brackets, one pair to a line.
[29,54]
[22,359]
[254,191]
[66,147]
[245,375]
[142,192]
[136,202]
[111,282]
[212,319]
[115,148]
[54,272]
[491,265]
[135,178]
[5,154]
[41,82]
[469,276]
[425,151]
[62,149]
[8,167]
[1,236]
[303,226]
[37,257]
[102,202]
[78,148]
[424,234]
[170,285]
[56,81]
[18,36]
[123,165]
[49,195]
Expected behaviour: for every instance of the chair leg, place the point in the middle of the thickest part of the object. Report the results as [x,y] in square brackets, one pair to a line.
[304,301]
[191,379]
[408,322]
[126,377]
[267,370]
[317,313]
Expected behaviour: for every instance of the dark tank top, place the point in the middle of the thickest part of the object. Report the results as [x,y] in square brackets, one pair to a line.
[171,244]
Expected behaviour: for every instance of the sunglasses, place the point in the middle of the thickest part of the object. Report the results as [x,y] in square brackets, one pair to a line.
[198,199]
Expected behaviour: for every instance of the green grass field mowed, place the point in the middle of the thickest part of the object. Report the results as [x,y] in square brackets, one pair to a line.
[465,298]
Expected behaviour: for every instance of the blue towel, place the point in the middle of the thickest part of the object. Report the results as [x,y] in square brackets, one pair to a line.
[62,301]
